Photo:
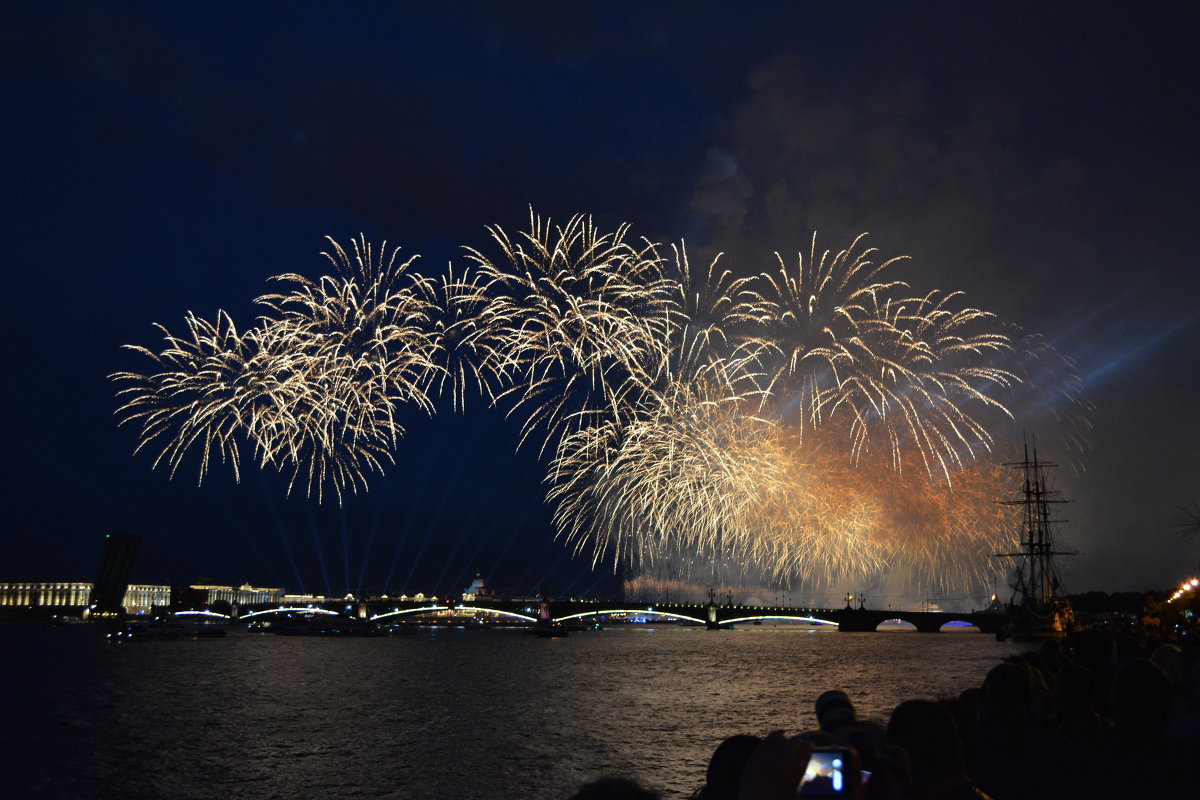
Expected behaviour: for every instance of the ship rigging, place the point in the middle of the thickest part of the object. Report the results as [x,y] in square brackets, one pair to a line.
[1039,607]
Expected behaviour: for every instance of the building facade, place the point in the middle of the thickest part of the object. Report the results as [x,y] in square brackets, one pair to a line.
[139,598]
[59,594]
[65,595]
[244,595]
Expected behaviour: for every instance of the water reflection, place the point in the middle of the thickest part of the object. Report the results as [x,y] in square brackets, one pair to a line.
[449,714]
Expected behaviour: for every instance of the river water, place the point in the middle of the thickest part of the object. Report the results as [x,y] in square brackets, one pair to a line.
[446,715]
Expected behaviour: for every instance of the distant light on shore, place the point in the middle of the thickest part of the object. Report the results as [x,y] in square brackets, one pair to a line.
[1189,587]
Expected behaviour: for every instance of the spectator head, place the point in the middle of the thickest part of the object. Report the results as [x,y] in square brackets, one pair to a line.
[1074,689]
[1008,688]
[1141,699]
[928,733]
[1050,650]
[834,711]
[1193,686]
[1128,646]
[1094,650]
[726,766]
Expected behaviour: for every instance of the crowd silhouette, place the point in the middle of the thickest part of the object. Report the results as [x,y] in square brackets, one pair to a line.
[1103,713]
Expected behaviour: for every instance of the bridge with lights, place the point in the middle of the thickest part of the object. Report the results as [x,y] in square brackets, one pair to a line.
[538,611]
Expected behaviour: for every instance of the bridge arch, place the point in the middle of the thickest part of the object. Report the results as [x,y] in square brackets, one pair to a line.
[497,612]
[634,611]
[959,625]
[898,623]
[927,623]
[783,617]
[213,614]
[397,612]
[282,610]
[467,609]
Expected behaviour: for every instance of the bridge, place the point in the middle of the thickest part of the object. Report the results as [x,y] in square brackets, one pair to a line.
[532,611]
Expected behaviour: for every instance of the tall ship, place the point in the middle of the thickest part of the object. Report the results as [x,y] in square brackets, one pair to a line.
[1039,607]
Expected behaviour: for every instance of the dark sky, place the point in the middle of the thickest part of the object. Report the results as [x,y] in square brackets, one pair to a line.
[166,158]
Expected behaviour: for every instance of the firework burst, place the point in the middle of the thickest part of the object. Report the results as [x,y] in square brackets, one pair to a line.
[575,311]
[814,424]
[906,371]
[685,469]
[855,521]
[212,384]
[312,389]
[468,353]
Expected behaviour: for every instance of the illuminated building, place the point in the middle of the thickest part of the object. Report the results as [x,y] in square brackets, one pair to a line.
[138,599]
[302,599]
[244,595]
[64,595]
[476,589]
[58,595]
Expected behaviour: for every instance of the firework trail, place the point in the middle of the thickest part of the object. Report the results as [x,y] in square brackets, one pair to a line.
[366,340]
[711,307]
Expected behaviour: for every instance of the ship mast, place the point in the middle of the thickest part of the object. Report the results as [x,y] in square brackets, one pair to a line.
[1036,579]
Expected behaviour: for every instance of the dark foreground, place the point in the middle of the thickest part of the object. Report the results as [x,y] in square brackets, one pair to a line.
[1101,714]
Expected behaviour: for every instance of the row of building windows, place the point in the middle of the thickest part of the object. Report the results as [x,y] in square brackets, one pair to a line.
[139,598]
[243,595]
[45,594]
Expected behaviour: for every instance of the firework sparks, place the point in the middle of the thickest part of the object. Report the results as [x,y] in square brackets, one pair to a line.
[687,470]
[1047,398]
[206,390]
[468,340]
[576,311]
[904,370]
[313,389]
[844,521]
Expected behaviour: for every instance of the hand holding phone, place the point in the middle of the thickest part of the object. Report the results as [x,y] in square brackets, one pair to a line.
[831,772]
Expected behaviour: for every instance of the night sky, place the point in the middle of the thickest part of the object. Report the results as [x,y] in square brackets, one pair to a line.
[162,158]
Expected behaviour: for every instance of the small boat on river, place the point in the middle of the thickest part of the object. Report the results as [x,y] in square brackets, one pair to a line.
[548,630]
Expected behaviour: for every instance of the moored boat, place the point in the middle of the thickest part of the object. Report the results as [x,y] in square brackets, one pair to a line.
[1038,608]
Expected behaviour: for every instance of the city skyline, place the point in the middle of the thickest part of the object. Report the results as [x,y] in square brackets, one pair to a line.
[170,163]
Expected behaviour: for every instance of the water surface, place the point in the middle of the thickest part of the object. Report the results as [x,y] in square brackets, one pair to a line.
[447,714]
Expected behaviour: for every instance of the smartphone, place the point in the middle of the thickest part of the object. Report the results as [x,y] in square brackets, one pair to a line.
[831,773]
